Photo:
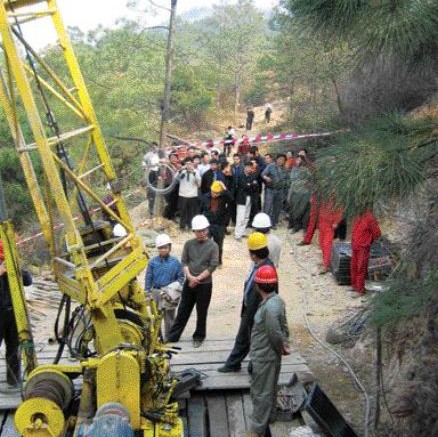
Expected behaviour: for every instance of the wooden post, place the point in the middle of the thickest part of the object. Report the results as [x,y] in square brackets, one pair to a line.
[159,200]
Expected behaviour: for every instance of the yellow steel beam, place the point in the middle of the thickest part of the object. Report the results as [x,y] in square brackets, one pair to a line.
[26,163]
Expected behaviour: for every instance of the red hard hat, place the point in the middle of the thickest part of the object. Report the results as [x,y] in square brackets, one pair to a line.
[266,275]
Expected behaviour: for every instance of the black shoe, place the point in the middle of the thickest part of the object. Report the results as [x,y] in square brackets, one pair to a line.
[250,367]
[197,343]
[228,369]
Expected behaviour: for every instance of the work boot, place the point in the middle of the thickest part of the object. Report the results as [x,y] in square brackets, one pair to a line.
[228,369]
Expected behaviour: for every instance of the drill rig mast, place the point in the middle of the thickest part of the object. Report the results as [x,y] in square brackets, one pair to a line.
[128,375]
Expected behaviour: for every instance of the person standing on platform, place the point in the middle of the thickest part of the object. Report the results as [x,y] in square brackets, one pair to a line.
[164,279]
[259,254]
[269,342]
[365,231]
[200,258]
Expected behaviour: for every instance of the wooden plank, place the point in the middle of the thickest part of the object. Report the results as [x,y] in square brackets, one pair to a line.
[236,420]
[217,414]
[214,380]
[207,356]
[9,429]
[197,416]
[9,400]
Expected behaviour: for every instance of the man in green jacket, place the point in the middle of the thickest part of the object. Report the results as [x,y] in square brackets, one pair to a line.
[269,341]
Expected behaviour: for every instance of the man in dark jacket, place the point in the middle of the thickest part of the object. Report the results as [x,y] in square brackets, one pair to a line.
[259,253]
[245,196]
[214,174]
[215,206]
[8,326]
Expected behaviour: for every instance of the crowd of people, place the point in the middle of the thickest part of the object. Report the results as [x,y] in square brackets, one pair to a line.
[254,193]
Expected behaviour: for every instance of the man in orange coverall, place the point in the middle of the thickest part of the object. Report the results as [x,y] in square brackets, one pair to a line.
[365,231]
[328,220]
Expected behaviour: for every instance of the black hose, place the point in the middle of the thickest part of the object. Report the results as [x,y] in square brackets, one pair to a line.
[66,300]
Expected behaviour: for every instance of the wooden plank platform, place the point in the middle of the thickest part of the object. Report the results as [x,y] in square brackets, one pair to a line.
[213,353]
[219,408]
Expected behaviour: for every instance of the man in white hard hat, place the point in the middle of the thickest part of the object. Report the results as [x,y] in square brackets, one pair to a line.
[200,259]
[262,223]
[164,280]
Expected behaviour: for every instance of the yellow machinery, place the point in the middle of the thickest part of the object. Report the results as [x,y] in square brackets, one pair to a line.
[123,365]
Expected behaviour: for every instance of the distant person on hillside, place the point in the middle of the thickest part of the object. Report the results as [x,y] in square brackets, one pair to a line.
[268,113]
[249,118]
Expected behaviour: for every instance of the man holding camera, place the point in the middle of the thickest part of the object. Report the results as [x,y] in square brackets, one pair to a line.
[189,182]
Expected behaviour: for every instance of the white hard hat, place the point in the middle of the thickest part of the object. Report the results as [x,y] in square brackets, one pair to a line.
[119,231]
[261,221]
[200,222]
[162,240]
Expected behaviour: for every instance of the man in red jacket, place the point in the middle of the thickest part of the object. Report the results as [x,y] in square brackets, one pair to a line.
[365,231]
[328,220]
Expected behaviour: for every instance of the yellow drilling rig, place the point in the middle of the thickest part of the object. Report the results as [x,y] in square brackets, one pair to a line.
[122,365]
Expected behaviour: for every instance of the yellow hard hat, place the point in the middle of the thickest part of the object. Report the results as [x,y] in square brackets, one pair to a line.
[217,187]
[257,241]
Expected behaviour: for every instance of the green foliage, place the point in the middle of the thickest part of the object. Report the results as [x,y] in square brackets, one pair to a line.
[404,300]
[407,28]
[375,163]
[227,45]
[17,197]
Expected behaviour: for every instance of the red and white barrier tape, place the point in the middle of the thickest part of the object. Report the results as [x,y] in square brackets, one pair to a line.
[270,138]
